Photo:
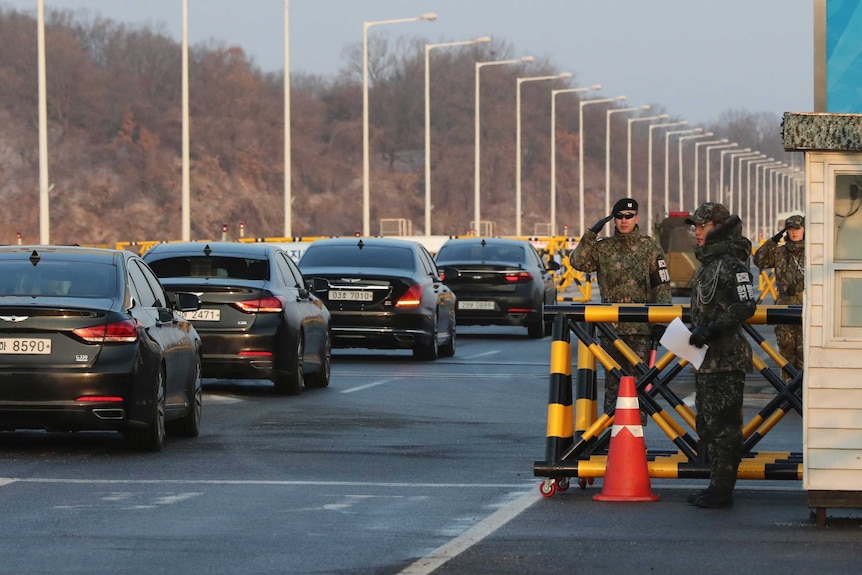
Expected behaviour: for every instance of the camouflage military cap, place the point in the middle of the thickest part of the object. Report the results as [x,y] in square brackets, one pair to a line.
[795,222]
[708,212]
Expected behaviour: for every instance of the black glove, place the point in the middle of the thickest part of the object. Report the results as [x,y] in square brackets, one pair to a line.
[601,223]
[702,334]
[656,332]
[777,237]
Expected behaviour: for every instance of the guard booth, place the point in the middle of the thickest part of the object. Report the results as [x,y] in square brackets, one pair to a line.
[832,310]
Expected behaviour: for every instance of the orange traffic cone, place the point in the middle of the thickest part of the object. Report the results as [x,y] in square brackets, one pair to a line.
[627,473]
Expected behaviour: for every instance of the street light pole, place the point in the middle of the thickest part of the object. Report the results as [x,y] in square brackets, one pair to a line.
[44,186]
[518,141]
[697,146]
[729,203]
[751,156]
[288,196]
[709,164]
[554,94]
[629,148]
[366,163]
[667,136]
[581,105]
[680,162]
[428,48]
[649,162]
[608,114]
[477,142]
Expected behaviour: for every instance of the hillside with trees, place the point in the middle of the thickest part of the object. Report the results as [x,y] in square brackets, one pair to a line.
[115,135]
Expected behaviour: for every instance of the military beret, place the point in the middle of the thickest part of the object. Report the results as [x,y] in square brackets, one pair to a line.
[625,204]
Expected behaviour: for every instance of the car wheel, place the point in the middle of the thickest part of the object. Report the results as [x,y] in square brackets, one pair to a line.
[152,437]
[536,324]
[448,349]
[289,381]
[320,378]
[190,424]
[427,350]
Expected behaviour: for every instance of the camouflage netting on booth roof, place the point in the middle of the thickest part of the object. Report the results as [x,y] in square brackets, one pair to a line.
[821,131]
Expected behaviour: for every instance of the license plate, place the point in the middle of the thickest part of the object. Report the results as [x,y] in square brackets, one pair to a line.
[350,295]
[484,305]
[203,315]
[25,346]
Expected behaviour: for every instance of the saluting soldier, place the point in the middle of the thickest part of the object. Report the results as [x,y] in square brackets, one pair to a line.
[789,263]
[722,298]
[630,268]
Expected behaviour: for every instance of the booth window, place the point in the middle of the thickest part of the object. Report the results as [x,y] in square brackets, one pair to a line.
[847,250]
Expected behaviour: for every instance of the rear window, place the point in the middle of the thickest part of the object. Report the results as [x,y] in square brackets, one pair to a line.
[58,279]
[479,253]
[211,267]
[351,256]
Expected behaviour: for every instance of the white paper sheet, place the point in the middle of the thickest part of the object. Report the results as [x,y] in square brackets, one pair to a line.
[675,339]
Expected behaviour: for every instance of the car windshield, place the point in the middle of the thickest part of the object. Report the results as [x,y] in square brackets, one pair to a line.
[55,278]
[352,257]
[211,267]
[480,253]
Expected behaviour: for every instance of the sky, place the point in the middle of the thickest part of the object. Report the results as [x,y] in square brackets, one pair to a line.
[695,58]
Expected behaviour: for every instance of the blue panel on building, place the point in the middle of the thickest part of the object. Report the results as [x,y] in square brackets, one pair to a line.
[844,56]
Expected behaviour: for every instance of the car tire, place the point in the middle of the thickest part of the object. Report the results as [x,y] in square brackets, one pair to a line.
[427,350]
[289,381]
[190,424]
[448,349]
[320,378]
[152,437]
[536,324]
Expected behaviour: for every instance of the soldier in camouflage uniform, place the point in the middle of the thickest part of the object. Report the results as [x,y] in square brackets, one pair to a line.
[630,268]
[722,298]
[789,263]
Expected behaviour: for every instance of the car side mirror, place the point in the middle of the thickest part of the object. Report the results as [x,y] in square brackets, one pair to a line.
[186,301]
[449,272]
[553,265]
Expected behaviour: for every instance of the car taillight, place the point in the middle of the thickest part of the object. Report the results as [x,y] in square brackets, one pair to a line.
[261,305]
[412,298]
[125,331]
[100,399]
[517,277]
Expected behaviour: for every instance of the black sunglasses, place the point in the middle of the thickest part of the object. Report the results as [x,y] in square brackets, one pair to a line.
[621,216]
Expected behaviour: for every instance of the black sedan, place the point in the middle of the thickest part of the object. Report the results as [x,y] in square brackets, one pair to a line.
[499,282]
[257,318]
[383,293]
[89,340]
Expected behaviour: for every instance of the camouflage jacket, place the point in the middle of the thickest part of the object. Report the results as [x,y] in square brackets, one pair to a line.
[630,268]
[789,263]
[722,295]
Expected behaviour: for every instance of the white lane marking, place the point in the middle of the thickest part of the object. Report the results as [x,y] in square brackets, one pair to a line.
[405,485]
[472,536]
[227,399]
[478,355]
[366,386]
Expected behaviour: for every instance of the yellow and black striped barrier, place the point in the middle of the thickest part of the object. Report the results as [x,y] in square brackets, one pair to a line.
[578,448]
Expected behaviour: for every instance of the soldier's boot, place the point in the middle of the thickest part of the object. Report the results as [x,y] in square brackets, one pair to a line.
[711,500]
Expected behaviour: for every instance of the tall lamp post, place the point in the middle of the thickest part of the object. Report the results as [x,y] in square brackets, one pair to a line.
[428,48]
[521,81]
[631,121]
[288,198]
[581,105]
[709,164]
[697,146]
[608,115]
[554,94]
[649,162]
[721,199]
[749,157]
[680,142]
[667,136]
[757,199]
[477,166]
[736,203]
[44,212]
[366,164]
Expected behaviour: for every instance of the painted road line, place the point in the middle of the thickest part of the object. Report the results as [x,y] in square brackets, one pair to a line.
[366,386]
[472,536]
